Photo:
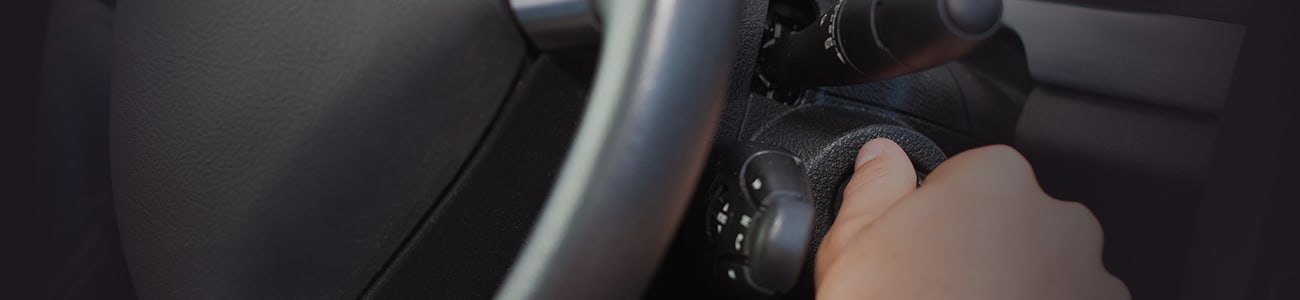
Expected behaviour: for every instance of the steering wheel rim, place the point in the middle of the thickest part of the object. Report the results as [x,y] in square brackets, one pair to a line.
[625,183]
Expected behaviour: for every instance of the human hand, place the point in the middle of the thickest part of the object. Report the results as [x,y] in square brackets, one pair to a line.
[979,228]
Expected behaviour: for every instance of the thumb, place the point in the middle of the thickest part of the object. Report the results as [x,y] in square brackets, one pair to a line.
[882,175]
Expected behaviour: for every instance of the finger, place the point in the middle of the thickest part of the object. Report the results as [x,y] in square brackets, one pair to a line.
[882,174]
[997,172]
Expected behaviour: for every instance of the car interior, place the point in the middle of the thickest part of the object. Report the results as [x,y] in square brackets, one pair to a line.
[617,149]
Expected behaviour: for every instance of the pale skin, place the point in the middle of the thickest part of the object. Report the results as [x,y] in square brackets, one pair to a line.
[980,227]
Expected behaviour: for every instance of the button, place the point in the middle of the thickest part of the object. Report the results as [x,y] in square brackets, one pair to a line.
[740,237]
[732,271]
[745,220]
[740,278]
[722,218]
[772,173]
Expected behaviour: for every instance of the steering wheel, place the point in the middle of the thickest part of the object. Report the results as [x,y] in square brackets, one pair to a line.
[307,149]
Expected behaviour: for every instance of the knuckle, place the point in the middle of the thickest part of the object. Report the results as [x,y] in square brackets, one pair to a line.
[1083,222]
[1115,288]
[990,166]
[1008,160]
[999,153]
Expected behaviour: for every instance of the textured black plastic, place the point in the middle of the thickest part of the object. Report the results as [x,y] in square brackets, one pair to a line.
[949,140]
[931,95]
[753,22]
[285,149]
[925,112]
[981,95]
[828,139]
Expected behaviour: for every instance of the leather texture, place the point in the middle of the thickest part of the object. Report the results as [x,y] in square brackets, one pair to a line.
[466,246]
[286,149]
